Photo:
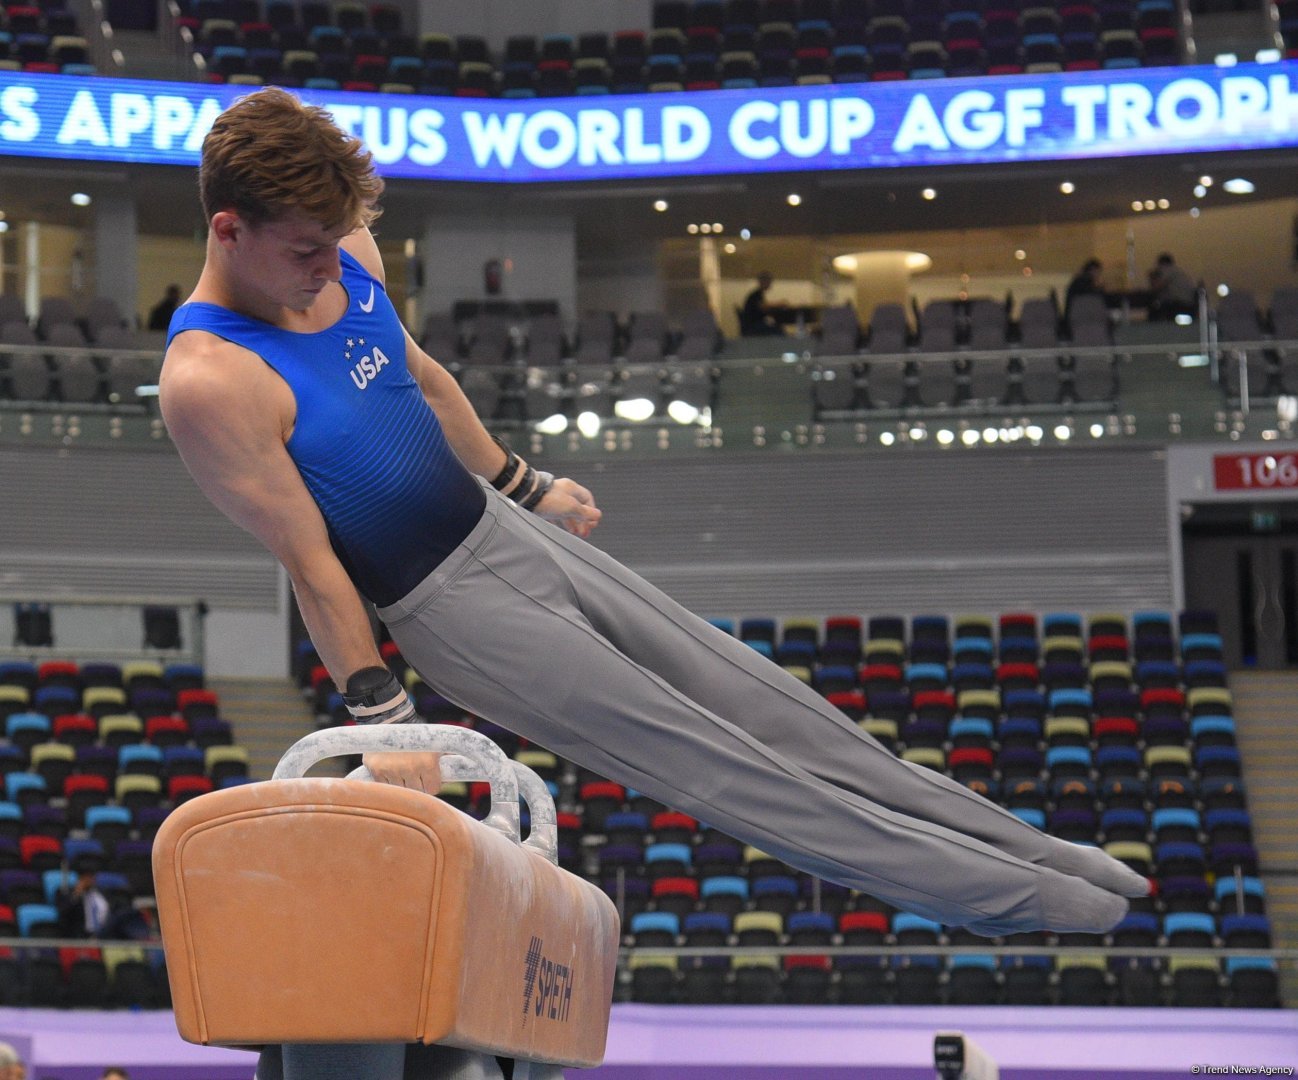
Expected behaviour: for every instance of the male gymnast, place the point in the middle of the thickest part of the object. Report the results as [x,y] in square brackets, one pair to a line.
[308,414]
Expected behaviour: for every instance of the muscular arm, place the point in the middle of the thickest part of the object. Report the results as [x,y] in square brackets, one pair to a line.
[224,410]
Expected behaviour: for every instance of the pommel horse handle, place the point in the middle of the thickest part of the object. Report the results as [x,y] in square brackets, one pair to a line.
[475,757]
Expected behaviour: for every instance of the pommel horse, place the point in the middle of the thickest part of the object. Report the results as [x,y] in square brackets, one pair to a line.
[315,910]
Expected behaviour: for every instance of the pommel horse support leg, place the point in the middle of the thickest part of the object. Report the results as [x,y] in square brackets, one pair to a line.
[320,910]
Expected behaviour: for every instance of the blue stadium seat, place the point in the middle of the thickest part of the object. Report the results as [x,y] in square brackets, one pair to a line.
[21,787]
[650,926]
[1189,929]
[1244,896]
[1034,817]
[1211,730]
[1176,823]
[37,920]
[1068,761]
[139,758]
[1124,824]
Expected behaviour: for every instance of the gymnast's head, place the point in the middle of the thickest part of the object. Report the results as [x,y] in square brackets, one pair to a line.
[270,156]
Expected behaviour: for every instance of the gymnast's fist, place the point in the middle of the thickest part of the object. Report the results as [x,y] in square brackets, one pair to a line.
[419,772]
[570,506]
[374,696]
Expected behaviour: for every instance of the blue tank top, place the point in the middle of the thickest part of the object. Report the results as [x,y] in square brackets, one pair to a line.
[394,496]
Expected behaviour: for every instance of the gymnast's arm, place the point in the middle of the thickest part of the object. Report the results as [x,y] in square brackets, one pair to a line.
[567,504]
[229,415]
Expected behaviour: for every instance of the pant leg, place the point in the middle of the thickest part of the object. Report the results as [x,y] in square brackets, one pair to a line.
[500,630]
[729,678]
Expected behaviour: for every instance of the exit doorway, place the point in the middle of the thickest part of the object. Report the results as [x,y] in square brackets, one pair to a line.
[1241,561]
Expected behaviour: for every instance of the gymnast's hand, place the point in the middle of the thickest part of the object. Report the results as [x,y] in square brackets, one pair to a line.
[570,506]
[419,772]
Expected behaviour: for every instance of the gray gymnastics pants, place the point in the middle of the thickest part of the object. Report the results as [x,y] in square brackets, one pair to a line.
[542,633]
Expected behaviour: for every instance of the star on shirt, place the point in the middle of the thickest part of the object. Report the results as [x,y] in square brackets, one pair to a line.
[347,355]
[350,343]
[362,341]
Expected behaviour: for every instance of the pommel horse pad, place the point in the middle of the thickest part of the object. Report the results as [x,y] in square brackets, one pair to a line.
[324,910]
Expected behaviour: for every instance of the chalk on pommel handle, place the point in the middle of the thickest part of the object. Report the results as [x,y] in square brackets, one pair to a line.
[309,909]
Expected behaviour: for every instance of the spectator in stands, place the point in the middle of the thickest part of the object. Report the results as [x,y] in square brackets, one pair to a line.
[489,590]
[1088,281]
[757,317]
[160,316]
[83,909]
[1172,291]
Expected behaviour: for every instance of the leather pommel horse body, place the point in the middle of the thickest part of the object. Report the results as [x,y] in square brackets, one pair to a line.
[338,910]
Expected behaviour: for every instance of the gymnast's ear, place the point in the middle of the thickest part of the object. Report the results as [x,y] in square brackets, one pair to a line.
[227,226]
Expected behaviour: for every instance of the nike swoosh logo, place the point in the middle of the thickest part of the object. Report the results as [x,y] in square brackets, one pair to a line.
[368,305]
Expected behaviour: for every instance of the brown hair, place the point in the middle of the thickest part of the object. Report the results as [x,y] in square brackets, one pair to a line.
[269,154]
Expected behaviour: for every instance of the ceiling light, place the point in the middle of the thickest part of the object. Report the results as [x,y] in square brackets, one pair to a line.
[705,228]
[969,437]
[917,261]
[887,438]
[946,436]
[845,264]
[1223,289]
[1194,211]
[1020,254]
[553,425]
[990,435]
[588,424]
[80,198]
[634,409]
[1150,204]
[1033,432]
[682,412]
[745,234]
[716,227]
[1182,319]
[1137,205]
[1067,187]
[731,249]
[794,199]
[1238,186]
[1063,432]
[1163,204]
[692,229]
[1206,181]
[918,434]
[1226,59]
[660,205]
[929,193]
[1097,430]
[1200,191]
[1267,56]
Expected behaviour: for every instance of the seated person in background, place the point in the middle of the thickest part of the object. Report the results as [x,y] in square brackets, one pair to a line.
[1172,291]
[755,317]
[83,909]
[1088,281]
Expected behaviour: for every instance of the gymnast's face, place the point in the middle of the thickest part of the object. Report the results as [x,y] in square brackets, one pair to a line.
[289,261]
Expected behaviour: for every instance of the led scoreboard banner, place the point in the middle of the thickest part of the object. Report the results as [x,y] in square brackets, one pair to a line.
[993,119]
